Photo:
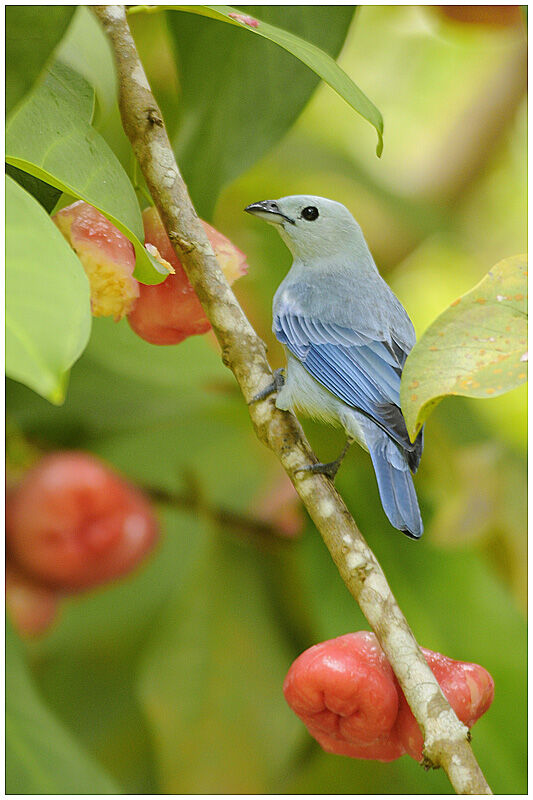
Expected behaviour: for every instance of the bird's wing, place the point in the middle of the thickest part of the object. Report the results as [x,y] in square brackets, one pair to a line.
[363,372]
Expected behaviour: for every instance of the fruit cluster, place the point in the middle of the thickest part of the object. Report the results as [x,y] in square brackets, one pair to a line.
[346,693]
[166,313]
[71,523]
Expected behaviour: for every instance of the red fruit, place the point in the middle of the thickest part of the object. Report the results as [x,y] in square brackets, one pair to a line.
[170,311]
[31,606]
[108,258]
[469,689]
[345,692]
[72,523]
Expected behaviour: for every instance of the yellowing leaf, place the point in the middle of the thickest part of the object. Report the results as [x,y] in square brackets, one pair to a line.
[476,348]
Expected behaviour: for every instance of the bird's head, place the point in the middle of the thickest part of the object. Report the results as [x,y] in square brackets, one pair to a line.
[310,226]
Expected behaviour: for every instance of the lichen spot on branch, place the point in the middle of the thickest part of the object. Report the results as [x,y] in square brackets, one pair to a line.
[140,78]
[164,157]
[327,508]
[115,12]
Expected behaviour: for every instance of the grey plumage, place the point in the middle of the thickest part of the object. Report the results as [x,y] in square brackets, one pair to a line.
[347,337]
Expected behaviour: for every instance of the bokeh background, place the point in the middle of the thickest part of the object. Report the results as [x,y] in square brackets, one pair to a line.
[169,681]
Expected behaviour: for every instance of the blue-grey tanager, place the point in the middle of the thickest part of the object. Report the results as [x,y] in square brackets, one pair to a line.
[346,336]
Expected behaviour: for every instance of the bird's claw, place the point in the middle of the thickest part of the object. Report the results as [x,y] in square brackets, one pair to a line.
[329,469]
[277,383]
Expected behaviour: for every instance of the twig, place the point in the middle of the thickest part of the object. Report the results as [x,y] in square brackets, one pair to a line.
[258,530]
[446,739]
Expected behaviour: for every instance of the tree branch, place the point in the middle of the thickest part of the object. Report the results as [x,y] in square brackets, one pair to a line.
[446,738]
[261,532]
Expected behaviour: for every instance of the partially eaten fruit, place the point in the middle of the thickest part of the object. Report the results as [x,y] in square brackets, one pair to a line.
[108,258]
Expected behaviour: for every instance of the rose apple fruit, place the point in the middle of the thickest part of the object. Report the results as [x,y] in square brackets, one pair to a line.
[107,256]
[31,606]
[73,523]
[469,689]
[345,692]
[169,312]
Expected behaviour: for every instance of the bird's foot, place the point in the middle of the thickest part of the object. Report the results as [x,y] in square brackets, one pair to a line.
[330,468]
[272,388]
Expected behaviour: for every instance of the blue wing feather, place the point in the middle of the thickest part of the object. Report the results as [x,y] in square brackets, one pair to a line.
[363,372]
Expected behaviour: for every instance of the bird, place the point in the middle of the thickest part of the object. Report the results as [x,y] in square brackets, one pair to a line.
[346,337]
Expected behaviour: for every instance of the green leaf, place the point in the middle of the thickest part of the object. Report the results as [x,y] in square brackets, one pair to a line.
[476,348]
[310,55]
[48,316]
[46,195]
[183,412]
[96,696]
[232,117]
[50,137]
[211,682]
[41,756]
[86,49]
[247,78]
[32,33]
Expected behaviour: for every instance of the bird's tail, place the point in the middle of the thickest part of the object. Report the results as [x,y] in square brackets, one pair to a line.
[396,488]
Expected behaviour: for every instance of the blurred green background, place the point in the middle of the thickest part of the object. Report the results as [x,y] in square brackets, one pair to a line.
[170,680]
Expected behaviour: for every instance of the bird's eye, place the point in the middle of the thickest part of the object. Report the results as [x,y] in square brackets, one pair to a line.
[310,213]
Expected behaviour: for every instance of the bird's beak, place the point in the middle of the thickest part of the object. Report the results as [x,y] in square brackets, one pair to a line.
[269,211]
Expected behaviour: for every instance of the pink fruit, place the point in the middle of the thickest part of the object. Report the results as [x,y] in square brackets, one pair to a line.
[108,258]
[170,312]
[469,689]
[346,693]
[73,523]
[31,606]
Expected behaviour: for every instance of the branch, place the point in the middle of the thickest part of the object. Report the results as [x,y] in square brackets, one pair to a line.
[446,739]
[261,532]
